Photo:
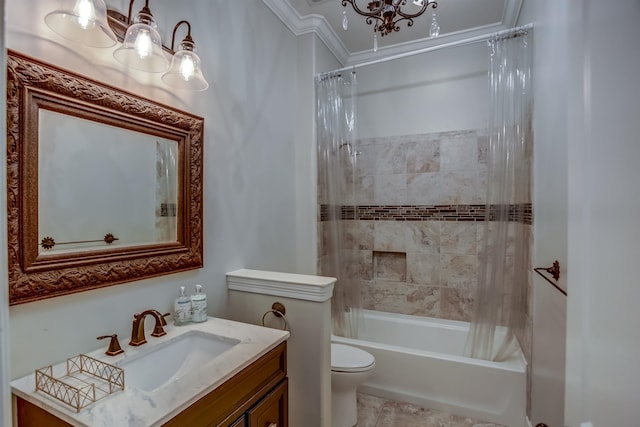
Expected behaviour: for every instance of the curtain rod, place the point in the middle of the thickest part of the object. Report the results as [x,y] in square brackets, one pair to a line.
[463,42]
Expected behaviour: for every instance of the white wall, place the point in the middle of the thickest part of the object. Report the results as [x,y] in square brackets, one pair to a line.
[305,155]
[249,156]
[586,177]
[437,91]
[550,82]
[313,57]
[603,234]
[5,401]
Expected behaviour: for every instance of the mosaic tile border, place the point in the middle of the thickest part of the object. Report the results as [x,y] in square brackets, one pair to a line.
[522,213]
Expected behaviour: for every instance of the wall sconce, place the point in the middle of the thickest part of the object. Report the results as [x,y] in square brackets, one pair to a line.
[185,71]
[82,21]
[90,23]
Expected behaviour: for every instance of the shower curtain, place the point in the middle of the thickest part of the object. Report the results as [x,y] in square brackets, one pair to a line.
[336,139]
[502,297]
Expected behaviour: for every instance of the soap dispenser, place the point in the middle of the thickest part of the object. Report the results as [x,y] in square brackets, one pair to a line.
[199,305]
[182,308]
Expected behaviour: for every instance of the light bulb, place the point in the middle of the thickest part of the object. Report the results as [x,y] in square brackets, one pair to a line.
[86,13]
[185,72]
[418,2]
[345,20]
[143,44]
[375,42]
[187,68]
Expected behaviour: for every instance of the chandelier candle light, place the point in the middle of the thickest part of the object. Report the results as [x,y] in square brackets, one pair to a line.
[385,15]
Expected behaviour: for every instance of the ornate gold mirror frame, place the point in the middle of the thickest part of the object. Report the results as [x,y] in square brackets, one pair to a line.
[32,85]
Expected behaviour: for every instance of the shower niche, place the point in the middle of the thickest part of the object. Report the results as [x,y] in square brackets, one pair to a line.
[390,266]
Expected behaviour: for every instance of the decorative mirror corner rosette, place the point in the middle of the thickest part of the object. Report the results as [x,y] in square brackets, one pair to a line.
[103,186]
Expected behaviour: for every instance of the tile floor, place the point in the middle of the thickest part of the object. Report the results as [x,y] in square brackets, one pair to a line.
[377,412]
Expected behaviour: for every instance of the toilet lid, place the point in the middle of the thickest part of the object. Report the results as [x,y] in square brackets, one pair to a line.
[345,358]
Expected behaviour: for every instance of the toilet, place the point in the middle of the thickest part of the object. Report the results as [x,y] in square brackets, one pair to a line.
[350,367]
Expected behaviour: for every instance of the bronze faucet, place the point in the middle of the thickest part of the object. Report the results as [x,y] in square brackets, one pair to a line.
[137,332]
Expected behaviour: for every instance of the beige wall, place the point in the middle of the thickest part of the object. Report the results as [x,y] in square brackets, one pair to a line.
[421,267]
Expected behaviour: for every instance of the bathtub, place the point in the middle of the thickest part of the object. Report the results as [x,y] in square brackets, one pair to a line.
[418,361]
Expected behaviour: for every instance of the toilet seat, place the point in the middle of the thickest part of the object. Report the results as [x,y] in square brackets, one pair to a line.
[345,358]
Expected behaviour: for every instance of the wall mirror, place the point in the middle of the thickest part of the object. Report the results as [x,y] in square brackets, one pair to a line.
[103,186]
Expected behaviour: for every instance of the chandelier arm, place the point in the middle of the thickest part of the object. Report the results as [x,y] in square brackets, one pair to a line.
[370,19]
[418,13]
[388,13]
[373,14]
[409,23]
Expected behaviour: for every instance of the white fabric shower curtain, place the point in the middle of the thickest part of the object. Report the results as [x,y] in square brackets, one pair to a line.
[501,298]
[336,139]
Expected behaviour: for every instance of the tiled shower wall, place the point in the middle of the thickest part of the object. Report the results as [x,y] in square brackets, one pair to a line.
[420,209]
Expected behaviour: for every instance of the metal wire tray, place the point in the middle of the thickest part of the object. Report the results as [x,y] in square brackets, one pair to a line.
[87,380]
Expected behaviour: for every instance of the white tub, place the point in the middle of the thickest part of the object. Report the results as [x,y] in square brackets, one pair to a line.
[418,360]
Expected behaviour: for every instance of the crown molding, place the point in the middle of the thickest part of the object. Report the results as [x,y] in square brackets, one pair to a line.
[317,24]
[415,45]
[510,15]
[312,23]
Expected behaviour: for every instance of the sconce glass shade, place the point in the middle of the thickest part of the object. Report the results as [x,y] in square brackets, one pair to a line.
[185,72]
[142,46]
[82,21]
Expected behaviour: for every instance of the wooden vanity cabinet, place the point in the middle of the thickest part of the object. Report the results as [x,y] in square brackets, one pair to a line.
[271,411]
[29,415]
[252,390]
[255,397]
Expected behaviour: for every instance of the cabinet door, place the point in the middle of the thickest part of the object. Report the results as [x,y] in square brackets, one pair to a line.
[30,415]
[240,422]
[273,410]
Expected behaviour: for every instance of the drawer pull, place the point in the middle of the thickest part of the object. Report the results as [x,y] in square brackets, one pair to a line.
[273,425]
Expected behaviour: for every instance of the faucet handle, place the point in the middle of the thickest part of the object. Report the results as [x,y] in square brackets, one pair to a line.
[163,321]
[114,346]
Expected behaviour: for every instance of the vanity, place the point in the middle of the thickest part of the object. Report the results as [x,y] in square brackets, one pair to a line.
[239,379]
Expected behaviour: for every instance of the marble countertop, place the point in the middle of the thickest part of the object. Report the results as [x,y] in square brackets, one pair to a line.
[133,407]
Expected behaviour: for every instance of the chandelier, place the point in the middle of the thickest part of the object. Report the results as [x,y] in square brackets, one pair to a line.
[386,14]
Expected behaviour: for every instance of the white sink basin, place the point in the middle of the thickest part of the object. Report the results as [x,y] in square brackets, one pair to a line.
[169,361]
